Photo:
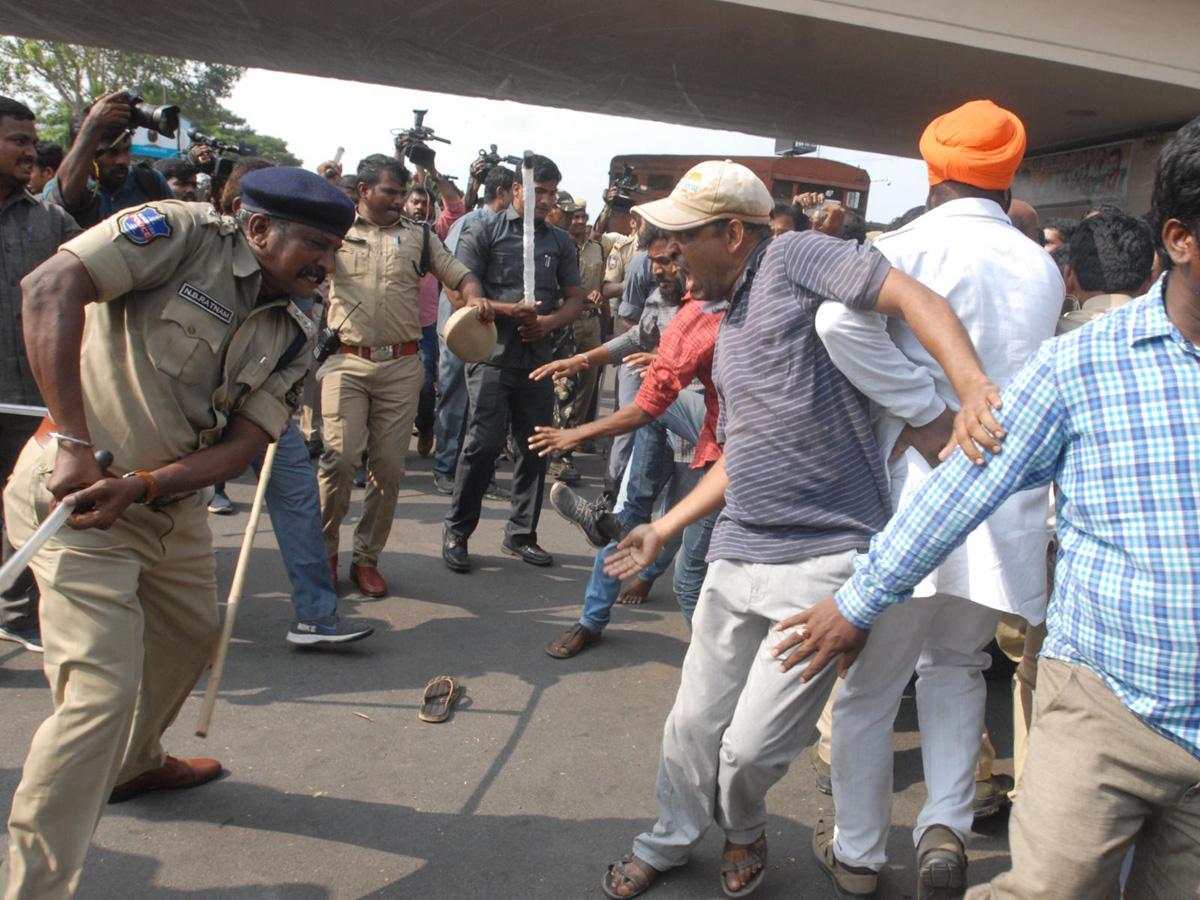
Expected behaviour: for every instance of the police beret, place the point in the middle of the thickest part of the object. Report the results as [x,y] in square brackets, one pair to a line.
[298,195]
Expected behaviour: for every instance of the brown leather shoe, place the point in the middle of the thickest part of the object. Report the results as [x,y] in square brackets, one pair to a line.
[174,773]
[572,641]
[333,570]
[425,442]
[368,579]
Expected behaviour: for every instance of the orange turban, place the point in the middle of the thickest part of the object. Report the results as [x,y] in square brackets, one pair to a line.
[979,144]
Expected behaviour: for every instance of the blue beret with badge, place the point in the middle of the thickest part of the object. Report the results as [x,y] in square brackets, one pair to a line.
[297,195]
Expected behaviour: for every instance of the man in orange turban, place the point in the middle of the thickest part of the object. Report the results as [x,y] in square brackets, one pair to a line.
[979,144]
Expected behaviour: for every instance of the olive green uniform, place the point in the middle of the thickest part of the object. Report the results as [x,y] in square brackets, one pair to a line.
[175,346]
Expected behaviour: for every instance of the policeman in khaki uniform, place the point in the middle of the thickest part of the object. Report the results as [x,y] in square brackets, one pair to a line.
[191,355]
[370,388]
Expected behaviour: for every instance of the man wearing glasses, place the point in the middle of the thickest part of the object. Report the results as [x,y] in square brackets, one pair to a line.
[96,178]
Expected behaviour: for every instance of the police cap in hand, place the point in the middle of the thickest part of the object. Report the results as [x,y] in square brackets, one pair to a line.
[297,195]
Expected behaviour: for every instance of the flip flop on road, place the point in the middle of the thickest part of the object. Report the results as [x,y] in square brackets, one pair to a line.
[440,695]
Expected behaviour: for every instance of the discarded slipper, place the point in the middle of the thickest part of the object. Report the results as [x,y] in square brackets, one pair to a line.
[440,694]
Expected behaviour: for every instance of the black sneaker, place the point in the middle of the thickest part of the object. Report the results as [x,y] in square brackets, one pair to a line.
[443,483]
[495,492]
[327,630]
[29,638]
[454,552]
[597,525]
[360,477]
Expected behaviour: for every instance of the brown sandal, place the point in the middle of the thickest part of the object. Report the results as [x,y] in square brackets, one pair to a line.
[439,696]
[572,641]
[756,855]
[629,871]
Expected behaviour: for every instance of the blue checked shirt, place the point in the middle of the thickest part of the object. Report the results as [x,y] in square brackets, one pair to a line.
[1110,412]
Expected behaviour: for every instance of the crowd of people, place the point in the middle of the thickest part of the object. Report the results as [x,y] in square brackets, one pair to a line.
[964,428]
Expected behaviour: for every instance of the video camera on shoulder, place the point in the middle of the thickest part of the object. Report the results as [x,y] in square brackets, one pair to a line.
[627,185]
[414,142]
[162,119]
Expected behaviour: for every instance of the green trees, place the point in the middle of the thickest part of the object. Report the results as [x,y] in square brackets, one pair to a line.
[59,80]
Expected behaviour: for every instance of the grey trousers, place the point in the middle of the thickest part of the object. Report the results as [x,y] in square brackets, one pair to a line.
[738,722]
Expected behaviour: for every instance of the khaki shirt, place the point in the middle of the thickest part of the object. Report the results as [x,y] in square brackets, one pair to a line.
[178,342]
[618,258]
[591,270]
[1092,309]
[379,268]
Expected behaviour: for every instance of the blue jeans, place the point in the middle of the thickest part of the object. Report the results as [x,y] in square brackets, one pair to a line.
[295,508]
[649,468]
[622,445]
[428,397]
[451,423]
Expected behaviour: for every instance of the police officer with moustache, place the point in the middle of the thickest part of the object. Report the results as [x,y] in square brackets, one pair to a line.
[185,367]
[370,388]
[500,387]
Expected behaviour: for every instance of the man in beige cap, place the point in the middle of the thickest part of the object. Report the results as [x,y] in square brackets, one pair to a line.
[803,490]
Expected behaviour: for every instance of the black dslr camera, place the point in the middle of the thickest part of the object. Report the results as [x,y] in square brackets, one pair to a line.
[627,185]
[414,142]
[163,119]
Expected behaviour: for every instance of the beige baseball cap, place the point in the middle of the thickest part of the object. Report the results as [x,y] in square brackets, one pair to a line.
[717,189]
[469,339]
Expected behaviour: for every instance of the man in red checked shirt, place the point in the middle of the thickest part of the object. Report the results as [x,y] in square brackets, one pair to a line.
[664,403]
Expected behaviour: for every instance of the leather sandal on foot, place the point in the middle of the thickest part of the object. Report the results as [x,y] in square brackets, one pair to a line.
[756,855]
[628,872]
[573,641]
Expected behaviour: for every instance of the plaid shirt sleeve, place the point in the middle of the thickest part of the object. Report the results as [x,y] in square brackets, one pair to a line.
[959,495]
[684,343]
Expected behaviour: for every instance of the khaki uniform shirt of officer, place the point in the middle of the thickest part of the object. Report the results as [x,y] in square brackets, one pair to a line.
[371,387]
[179,354]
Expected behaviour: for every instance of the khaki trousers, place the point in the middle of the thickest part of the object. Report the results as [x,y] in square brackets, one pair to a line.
[1098,781]
[587,337]
[129,620]
[365,406]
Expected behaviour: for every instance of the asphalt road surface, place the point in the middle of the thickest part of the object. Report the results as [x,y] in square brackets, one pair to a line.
[544,773]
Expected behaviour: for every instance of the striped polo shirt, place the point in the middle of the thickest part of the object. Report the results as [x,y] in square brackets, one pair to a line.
[805,475]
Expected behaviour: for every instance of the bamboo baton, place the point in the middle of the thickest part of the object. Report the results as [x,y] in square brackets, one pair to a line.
[235,595]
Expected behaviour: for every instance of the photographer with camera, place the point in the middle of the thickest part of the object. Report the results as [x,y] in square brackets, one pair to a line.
[97,177]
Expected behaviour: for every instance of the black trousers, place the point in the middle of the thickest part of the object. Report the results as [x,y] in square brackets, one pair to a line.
[19,604]
[496,396]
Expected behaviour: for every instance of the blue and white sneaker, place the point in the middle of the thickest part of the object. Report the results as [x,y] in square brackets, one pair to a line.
[327,630]
[29,638]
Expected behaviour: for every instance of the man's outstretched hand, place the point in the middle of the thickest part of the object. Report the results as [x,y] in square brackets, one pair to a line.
[637,550]
[821,633]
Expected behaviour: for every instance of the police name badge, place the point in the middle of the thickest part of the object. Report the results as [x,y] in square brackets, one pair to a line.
[143,226]
[206,303]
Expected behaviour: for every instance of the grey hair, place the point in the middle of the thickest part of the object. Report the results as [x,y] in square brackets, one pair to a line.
[242,217]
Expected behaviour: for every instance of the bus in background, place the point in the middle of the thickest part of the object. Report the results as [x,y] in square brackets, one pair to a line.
[785,176]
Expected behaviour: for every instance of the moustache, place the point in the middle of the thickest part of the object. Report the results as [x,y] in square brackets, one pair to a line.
[315,274]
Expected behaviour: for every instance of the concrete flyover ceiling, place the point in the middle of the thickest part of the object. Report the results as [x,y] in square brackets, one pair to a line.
[867,74]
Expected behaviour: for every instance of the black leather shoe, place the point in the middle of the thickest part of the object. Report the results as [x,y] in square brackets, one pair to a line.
[531,553]
[454,552]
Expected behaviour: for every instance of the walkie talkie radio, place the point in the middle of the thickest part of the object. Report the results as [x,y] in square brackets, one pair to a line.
[330,338]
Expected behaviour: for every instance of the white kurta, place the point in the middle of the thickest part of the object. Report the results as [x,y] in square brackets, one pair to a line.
[1008,293]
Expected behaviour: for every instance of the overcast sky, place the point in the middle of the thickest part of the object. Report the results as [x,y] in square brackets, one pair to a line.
[359,117]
